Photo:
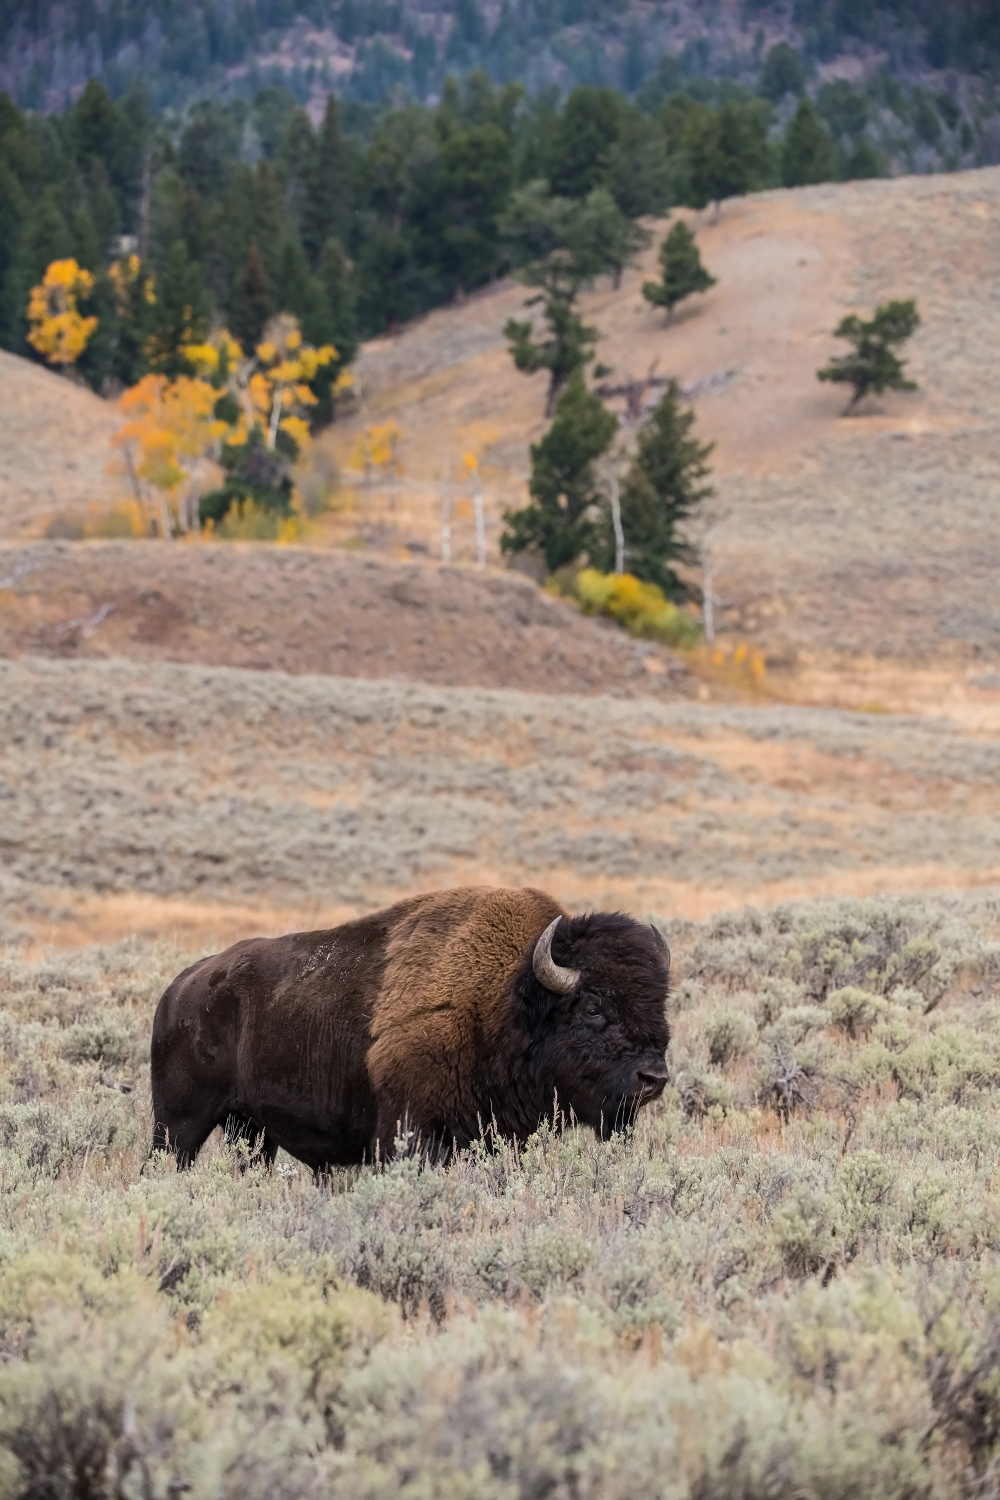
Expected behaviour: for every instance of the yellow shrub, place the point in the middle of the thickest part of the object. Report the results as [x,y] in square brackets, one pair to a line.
[248,522]
[640,607]
[123,520]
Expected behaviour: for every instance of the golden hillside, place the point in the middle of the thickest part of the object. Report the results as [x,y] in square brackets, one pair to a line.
[872,534]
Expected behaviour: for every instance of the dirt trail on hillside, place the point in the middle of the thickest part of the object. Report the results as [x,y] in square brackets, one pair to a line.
[295,610]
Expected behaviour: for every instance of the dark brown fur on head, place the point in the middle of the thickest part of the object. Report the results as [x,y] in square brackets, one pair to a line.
[604,1043]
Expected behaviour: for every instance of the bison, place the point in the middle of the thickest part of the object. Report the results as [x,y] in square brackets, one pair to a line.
[449,1013]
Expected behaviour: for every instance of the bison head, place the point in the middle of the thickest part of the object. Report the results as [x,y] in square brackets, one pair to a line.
[595,995]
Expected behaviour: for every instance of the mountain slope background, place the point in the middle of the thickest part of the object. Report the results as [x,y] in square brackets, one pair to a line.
[868,536]
[48,50]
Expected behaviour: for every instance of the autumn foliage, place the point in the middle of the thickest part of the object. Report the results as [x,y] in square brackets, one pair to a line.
[169,429]
[58,330]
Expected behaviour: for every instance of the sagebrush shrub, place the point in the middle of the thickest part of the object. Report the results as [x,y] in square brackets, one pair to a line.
[781,1281]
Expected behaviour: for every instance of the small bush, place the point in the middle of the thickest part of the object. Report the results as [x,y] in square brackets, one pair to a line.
[246,521]
[640,607]
[730,1035]
[854,1011]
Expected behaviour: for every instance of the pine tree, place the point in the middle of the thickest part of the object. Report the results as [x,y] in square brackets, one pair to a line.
[682,272]
[558,523]
[727,151]
[807,154]
[252,301]
[180,315]
[662,488]
[872,364]
[782,73]
[327,208]
[864,161]
[565,350]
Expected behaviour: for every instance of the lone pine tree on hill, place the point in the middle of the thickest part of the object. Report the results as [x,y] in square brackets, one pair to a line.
[559,522]
[664,485]
[681,271]
[872,364]
[569,243]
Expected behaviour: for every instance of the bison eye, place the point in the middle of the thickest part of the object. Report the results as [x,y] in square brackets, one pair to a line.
[592,1013]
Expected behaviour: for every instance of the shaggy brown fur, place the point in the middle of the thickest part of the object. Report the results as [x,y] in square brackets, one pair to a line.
[426,1015]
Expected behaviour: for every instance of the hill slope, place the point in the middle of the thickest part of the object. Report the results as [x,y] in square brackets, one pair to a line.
[873,534]
[163,797]
[48,52]
[54,447]
[293,610]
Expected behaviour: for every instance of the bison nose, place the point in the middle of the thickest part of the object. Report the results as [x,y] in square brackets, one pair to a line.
[652,1079]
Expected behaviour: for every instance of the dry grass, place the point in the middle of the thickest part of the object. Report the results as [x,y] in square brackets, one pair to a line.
[54,448]
[299,610]
[868,536]
[308,795]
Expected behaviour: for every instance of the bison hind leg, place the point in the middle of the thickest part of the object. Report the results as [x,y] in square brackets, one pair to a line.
[249,1142]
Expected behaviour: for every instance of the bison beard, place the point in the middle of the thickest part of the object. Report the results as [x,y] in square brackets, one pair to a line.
[445,1015]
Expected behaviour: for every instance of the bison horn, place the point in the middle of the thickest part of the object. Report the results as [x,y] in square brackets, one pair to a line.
[547,971]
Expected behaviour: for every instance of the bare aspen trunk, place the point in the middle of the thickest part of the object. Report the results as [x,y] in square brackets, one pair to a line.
[446,519]
[708,602]
[137,488]
[166,529]
[272,432]
[616,521]
[477,502]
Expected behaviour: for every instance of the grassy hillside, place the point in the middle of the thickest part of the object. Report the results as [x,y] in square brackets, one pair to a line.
[302,610]
[784,1282]
[867,536]
[214,801]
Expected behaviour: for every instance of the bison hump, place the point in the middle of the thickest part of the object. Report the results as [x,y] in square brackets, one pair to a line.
[440,1013]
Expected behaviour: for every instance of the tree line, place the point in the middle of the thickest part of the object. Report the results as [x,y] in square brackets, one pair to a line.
[184,45]
[355,224]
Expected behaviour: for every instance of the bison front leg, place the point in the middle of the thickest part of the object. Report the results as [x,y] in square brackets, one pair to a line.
[250,1143]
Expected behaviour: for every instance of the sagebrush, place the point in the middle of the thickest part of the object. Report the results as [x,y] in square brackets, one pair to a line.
[783,1282]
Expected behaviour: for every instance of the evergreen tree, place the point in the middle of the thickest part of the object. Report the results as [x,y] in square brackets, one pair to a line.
[578,240]
[180,315]
[863,162]
[585,132]
[727,151]
[662,488]
[782,73]
[559,522]
[327,208]
[568,344]
[682,272]
[44,237]
[807,153]
[873,364]
[252,301]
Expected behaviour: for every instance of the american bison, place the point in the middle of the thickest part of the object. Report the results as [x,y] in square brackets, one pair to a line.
[448,1013]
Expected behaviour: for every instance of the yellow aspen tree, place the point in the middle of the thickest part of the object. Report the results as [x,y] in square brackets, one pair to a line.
[472,465]
[377,447]
[170,428]
[58,330]
[272,386]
